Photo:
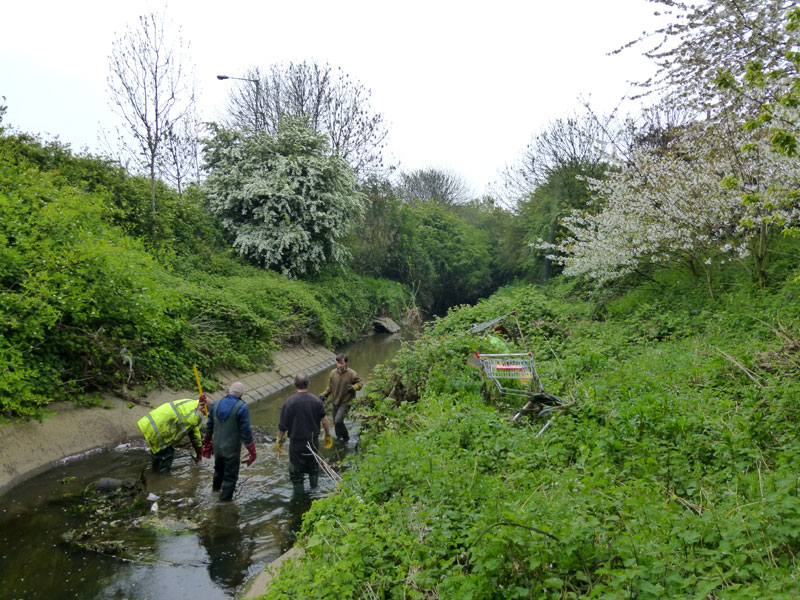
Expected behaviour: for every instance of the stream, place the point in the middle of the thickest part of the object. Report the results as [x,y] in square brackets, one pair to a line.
[188,544]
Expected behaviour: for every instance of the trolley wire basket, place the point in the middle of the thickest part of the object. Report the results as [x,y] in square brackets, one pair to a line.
[515,374]
[504,368]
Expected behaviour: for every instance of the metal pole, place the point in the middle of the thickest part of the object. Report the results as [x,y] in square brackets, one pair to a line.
[258,100]
[256,104]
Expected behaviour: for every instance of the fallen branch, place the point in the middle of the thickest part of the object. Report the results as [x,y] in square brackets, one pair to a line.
[129,397]
[744,369]
[685,503]
[543,429]
[513,524]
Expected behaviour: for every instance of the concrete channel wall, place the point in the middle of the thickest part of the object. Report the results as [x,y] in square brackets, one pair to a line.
[33,447]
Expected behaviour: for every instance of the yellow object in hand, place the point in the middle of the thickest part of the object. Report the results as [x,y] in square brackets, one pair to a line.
[328,442]
[278,446]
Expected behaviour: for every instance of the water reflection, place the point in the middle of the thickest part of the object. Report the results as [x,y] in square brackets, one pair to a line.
[228,548]
[192,546]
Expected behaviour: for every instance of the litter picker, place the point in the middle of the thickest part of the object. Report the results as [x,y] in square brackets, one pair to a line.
[200,388]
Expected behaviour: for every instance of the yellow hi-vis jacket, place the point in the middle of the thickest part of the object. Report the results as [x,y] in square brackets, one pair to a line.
[165,425]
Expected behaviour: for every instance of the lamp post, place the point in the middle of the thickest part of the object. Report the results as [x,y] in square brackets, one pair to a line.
[258,96]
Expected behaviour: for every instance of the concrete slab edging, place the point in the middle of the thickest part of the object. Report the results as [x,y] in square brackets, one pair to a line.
[257,586]
[30,448]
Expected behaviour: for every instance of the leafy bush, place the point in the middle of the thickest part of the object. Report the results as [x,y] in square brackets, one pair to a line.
[86,306]
[673,473]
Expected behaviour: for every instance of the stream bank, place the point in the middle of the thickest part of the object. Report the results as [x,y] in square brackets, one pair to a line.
[30,448]
[58,538]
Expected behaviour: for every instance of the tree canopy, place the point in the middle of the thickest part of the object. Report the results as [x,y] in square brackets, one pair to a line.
[285,200]
[333,103]
[440,186]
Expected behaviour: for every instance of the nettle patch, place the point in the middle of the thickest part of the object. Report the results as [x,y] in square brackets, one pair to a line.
[674,474]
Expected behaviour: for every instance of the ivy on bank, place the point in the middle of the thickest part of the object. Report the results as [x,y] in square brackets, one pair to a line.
[88,305]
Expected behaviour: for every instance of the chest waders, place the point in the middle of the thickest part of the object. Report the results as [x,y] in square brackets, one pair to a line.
[227,446]
[227,439]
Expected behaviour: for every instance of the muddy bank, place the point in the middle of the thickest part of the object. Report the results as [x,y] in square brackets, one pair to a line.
[33,447]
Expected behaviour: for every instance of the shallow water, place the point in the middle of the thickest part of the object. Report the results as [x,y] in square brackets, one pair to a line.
[192,546]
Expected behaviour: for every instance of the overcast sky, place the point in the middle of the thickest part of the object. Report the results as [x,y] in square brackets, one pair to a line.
[463,85]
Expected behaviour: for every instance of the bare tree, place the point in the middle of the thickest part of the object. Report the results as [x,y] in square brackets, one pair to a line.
[434,185]
[151,90]
[335,105]
[565,144]
[181,152]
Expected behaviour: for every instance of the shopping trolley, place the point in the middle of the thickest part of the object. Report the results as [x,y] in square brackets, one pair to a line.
[515,374]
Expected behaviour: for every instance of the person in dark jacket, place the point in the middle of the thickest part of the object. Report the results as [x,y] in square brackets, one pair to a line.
[227,429]
[301,416]
[342,387]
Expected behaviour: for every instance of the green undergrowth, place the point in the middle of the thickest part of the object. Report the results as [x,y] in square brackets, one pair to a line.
[89,303]
[673,471]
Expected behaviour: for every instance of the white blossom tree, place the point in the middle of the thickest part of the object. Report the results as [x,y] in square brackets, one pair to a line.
[703,41]
[285,200]
[716,189]
[683,205]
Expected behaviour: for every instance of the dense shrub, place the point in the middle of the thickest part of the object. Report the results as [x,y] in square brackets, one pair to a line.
[434,250]
[673,473]
[89,302]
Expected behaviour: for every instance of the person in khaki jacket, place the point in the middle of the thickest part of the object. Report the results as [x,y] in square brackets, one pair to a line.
[342,387]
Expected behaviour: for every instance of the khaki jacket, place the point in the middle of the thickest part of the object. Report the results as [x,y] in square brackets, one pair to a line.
[338,383]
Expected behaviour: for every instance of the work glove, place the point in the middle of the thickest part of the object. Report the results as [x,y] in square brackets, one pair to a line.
[278,447]
[251,448]
[328,442]
[323,397]
[198,454]
[351,389]
[208,447]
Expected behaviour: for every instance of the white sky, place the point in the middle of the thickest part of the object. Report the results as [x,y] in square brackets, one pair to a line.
[463,85]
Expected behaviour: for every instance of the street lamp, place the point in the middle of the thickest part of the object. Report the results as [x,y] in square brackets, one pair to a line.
[258,95]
